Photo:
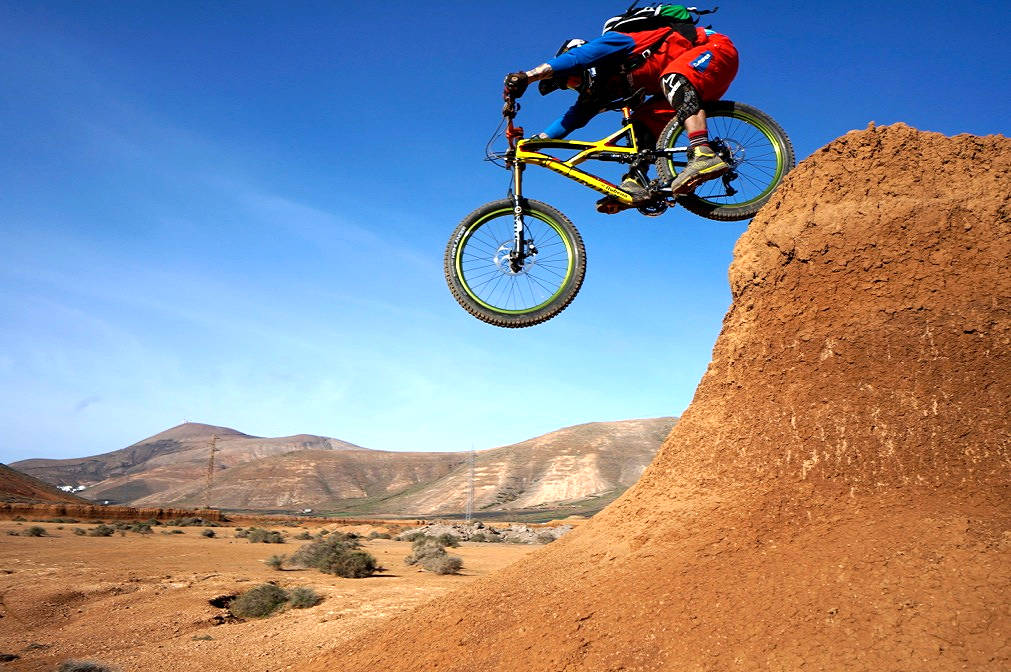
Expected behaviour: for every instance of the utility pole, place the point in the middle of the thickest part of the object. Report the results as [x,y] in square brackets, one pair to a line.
[210,471]
[470,494]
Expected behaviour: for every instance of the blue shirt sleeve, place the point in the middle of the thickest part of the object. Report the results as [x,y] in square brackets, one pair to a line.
[608,46]
[575,117]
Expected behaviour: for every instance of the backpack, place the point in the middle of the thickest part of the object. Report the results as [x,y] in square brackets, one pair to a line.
[639,19]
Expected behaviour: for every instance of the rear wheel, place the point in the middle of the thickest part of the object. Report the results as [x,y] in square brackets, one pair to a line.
[757,149]
[498,290]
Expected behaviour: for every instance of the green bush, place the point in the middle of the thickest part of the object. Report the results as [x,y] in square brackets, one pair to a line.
[303,598]
[379,535]
[258,602]
[101,530]
[275,561]
[79,531]
[207,533]
[337,554]
[258,536]
[35,531]
[449,540]
[303,535]
[141,528]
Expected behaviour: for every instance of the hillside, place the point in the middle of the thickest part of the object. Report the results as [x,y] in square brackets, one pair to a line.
[22,488]
[311,479]
[594,461]
[571,464]
[175,457]
[836,497]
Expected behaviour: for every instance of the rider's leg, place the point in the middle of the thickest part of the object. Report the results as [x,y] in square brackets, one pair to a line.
[649,120]
[703,163]
[702,73]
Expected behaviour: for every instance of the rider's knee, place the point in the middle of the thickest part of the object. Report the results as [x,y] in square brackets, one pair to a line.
[681,95]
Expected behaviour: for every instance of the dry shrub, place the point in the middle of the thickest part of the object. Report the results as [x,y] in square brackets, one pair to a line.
[259,536]
[258,602]
[84,666]
[275,561]
[101,530]
[303,598]
[443,564]
[337,554]
[35,531]
[430,553]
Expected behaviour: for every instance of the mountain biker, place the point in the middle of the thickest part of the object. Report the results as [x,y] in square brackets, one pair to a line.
[680,67]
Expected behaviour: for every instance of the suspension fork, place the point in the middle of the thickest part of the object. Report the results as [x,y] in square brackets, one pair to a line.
[518,253]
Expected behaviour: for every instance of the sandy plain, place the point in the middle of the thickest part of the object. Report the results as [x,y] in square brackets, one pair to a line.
[143,602]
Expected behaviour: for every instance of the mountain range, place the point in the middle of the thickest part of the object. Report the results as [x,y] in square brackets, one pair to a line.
[592,463]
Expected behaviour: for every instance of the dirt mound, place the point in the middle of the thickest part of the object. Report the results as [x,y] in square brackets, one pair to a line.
[836,496]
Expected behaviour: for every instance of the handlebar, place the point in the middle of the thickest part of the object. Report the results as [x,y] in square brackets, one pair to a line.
[509,110]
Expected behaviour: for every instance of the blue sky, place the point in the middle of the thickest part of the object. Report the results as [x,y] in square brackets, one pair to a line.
[235,212]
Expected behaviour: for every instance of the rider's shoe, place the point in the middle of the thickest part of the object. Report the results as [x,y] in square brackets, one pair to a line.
[639,193]
[703,166]
[610,205]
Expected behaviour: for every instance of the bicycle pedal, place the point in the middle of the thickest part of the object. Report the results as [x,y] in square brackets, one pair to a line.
[609,207]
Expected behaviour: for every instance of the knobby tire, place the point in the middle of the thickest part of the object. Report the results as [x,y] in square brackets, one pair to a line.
[762,152]
[481,280]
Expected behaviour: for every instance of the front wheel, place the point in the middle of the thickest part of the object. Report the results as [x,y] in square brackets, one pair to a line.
[497,286]
[756,147]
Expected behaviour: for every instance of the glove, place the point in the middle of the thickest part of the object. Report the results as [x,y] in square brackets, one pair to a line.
[516,84]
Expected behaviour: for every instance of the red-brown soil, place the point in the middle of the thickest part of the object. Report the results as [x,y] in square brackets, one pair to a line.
[90,511]
[142,602]
[836,495]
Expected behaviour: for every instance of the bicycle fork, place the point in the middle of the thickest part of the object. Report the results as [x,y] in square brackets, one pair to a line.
[519,252]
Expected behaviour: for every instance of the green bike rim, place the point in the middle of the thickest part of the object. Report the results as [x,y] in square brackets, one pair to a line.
[532,285]
[768,165]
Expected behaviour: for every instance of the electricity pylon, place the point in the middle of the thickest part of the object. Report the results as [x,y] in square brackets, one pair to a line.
[210,471]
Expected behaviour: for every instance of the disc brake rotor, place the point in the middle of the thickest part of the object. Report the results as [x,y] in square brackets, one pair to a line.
[504,263]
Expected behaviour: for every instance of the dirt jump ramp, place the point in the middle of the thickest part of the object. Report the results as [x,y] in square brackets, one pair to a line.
[836,495]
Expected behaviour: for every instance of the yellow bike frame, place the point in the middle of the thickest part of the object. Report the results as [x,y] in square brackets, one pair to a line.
[527,151]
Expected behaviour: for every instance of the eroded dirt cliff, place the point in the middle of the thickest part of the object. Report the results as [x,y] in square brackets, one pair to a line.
[836,495]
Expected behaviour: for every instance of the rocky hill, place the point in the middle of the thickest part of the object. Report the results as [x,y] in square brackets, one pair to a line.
[170,459]
[571,464]
[836,497]
[595,461]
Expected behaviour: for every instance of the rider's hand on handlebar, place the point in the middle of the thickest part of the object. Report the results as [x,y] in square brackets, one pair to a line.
[516,84]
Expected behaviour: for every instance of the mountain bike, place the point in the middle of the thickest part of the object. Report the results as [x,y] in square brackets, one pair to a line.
[517,262]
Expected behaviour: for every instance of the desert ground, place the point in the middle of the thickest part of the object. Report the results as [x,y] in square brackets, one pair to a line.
[143,602]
